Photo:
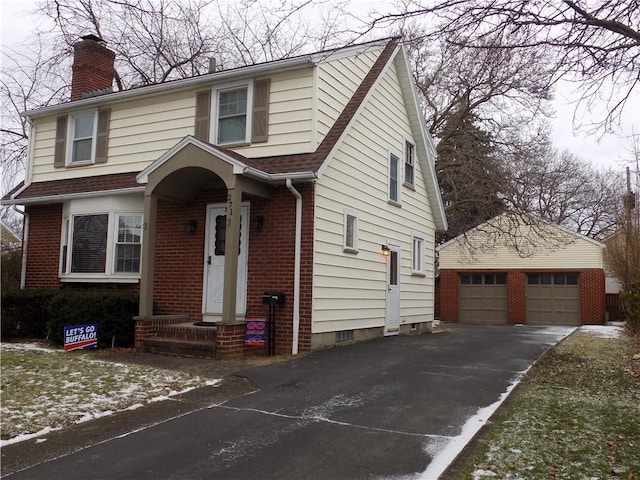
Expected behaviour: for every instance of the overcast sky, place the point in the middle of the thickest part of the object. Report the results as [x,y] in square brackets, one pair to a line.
[608,151]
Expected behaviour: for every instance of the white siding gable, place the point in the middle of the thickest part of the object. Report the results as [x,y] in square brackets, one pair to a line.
[544,246]
[349,288]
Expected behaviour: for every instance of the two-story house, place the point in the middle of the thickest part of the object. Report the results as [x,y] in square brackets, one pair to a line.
[317,169]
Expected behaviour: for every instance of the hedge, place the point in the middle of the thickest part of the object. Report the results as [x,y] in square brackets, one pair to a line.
[47,312]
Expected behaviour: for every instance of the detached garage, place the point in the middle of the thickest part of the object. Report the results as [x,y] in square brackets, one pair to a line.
[522,270]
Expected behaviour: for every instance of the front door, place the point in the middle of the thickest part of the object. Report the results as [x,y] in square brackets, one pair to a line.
[214,260]
[392,322]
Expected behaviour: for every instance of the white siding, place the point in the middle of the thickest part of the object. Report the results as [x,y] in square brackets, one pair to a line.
[337,82]
[142,130]
[349,290]
[290,116]
[550,248]
[139,132]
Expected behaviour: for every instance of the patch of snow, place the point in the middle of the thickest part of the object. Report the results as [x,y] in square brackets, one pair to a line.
[28,436]
[445,452]
[604,331]
[29,346]
[480,473]
[213,383]
[41,440]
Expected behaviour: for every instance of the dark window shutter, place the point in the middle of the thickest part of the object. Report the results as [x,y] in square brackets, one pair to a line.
[61,142]
[203,115]
[260,118]
[102,139]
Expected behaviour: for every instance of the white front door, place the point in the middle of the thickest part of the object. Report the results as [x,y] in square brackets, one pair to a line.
[392,321]
[214,260]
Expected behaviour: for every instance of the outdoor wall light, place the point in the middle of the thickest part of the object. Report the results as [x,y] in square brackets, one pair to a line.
[386,251]
[190,227]
[258,222]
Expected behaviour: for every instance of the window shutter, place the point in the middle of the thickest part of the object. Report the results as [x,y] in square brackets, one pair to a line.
[260,118]
[102,139]
[61,142]
[203,115]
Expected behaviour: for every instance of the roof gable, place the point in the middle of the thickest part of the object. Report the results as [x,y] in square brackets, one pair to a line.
[515,220]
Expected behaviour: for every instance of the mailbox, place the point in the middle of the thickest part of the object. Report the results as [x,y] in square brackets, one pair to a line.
[273,298]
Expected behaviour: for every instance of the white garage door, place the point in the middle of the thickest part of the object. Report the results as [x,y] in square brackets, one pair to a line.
[483,298]
[553,299]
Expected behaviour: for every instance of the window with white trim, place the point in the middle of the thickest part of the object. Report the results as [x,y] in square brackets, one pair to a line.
[409,168]
[101,240]
[232,110]
[82,138]
[417,254]
[128,244]
[394,178]
[350,243]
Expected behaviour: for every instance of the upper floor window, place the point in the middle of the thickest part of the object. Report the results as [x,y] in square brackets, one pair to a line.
[235,113]
[82,138]
[232,115]
[82,135]
[350,242]
[409,159]
[394,178]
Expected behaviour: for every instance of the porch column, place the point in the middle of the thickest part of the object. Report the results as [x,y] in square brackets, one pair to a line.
[231,241]
[148,255]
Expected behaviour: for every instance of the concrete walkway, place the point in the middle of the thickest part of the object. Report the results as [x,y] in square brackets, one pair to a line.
[399,407]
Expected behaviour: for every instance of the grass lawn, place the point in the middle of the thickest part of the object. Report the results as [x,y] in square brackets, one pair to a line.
[44,389]
[575,417]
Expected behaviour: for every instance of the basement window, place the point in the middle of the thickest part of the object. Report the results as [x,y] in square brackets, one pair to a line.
[344,336]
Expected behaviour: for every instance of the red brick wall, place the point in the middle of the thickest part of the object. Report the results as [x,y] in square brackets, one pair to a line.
[516,297]
[179,267]
[43,245]
[448,296]
[592,296]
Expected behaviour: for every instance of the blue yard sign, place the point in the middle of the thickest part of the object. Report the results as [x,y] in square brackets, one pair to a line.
[255,332]
[80,337]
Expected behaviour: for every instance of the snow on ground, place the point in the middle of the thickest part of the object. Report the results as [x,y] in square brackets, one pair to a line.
[44,389]
[445,452]
[605,331]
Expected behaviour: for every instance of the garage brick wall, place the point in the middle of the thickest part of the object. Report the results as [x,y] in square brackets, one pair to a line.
[448,296]
[516,306]
[592,297]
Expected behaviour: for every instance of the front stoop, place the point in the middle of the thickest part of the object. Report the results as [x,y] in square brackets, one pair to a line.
[185,340]
[175,335]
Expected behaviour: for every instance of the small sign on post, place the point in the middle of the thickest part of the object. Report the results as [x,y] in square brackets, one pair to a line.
[80,337]
[255,332]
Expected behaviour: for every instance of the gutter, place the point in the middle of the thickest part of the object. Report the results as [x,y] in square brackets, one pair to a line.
[69,196]
[296,274]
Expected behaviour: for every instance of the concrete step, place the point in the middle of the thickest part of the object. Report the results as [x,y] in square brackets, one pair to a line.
[180,347]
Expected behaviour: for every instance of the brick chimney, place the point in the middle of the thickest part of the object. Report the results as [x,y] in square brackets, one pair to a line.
[92,67]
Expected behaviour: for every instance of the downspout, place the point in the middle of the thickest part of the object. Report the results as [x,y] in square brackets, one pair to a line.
[25,242]
[296,274]
[26,219]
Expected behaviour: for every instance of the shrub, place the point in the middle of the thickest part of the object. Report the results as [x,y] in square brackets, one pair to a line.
[11,269]
[113,312]
[25,312]
[631,306]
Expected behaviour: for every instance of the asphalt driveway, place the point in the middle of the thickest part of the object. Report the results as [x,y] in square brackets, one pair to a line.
[388,408]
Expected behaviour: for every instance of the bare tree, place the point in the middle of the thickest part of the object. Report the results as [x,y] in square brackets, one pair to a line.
[594,42]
